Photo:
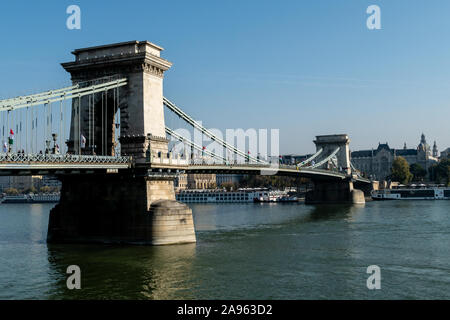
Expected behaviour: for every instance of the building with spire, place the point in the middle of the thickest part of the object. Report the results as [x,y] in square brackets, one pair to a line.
[377,163]
[435,150]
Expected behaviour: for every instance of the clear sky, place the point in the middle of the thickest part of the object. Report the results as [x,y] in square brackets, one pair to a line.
[304,67]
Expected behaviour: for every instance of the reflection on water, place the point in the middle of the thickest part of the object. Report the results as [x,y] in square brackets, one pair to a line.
[335,211]
[123,272]
[244,251]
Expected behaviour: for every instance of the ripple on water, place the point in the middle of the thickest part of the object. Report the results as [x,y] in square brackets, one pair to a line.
[243,251]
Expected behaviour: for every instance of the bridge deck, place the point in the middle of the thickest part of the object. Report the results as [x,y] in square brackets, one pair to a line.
[30,164]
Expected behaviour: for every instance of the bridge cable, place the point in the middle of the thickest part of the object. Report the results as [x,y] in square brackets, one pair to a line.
[301,164]
[326,159]
[52,97]
[202,129]
[193,145]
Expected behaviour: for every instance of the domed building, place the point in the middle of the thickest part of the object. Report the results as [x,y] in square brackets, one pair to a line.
[423,145]
[377,163]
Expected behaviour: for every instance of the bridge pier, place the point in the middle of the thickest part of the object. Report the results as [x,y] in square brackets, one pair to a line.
[137,208]
[331,192]
[137,205]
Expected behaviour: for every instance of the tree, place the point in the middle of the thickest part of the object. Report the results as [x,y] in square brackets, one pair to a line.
[55,189]
[228,186]
[45,189]
[418,172]
[32,189]
[400,171]
[275,182]
[11,191]
[440,172]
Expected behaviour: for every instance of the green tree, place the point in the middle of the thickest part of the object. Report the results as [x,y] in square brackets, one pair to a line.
[440,172]
[400,171]
[11,191]
[45,189]
[276,182]
[228,186]
[55,189]
[32,189]
[418,172]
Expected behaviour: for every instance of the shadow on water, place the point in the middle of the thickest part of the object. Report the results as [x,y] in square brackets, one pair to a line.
[334,212]
[123,272]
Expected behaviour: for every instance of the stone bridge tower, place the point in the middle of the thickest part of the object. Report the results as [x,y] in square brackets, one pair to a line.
[136,205]
[331,191]
[140,103]
[329,143]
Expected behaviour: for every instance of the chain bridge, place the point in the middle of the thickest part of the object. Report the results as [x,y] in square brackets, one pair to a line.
[106,137]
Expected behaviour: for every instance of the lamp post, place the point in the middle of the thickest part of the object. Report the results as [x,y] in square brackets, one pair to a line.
[47,143]
[55,136]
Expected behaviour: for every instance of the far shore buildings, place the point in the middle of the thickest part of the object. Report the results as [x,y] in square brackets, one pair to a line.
[228,179]
[445,154]
[205,181]
[377,163]
[22,183]
[201,181]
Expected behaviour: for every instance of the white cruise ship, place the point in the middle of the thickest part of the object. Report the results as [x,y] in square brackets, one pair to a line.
[412,193]
[31,198]
[209,196]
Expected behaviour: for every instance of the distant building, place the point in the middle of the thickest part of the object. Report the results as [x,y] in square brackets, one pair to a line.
[20,183]
[4,183]
[201,181]
[180,182]
[228,178]
[445,154]
[50,181]
[435,150]
[23,183]
[377,163]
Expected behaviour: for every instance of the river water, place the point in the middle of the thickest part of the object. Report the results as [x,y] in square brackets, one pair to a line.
[243,251]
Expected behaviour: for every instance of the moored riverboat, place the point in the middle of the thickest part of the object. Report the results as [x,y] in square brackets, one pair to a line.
[31,198]
[412,193]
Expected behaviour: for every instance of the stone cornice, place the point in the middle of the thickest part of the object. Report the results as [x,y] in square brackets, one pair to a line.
[123,63]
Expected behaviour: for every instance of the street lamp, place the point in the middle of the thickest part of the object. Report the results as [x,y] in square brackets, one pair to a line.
[47,143]
[55,136]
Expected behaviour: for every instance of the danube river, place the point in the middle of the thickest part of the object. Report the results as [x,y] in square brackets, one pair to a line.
[244,251]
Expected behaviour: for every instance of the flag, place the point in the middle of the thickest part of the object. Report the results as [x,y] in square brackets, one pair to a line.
[11,137]
[83,141]
[5,147]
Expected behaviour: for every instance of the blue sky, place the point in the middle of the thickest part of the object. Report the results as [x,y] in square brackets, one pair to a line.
[304,67]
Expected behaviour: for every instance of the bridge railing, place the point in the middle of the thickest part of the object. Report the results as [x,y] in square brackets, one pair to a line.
[263,166]
[62,158]
[169,159]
